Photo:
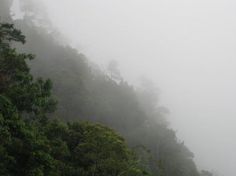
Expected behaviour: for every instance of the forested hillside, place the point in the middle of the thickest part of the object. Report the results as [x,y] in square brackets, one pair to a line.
[33,142]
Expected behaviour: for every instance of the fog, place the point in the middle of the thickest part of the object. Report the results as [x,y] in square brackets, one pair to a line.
[186,47]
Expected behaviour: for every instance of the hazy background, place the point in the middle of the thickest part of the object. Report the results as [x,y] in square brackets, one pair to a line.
[187,47]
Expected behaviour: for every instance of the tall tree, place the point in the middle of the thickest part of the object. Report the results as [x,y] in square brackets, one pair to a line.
[49,147]
[17,84]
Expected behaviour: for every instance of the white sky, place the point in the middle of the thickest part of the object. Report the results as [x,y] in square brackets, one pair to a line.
[186,46]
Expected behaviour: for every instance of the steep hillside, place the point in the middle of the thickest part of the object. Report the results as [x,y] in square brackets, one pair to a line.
[86,93]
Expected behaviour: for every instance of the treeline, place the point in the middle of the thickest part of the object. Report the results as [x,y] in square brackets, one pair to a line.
[83,92]
[33,145]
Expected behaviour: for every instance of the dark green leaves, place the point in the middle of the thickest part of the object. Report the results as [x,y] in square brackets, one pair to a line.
[16,82]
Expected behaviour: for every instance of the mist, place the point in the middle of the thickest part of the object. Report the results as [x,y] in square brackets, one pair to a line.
[187,48]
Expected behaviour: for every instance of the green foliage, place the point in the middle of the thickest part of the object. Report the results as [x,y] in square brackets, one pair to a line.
[16,82]
[98,150]
[85,92]
[32,147]
[83,149]
[24,150]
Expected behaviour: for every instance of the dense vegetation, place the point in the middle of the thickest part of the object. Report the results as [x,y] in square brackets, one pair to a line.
[32,143]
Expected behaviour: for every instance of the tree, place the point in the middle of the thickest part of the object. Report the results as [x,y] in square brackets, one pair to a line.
[113,70]
[17,84]
[86,94]
[24,149]
[32,147]
[148,97]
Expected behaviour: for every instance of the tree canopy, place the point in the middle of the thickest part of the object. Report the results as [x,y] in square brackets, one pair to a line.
[32,147]
[34,142]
